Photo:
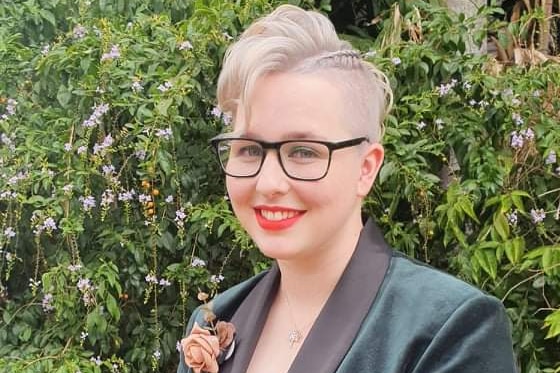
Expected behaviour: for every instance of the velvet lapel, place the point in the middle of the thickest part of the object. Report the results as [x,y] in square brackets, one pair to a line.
[249,320]
[339,322]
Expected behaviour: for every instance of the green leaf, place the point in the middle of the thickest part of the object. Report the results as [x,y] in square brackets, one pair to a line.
[501,225]
[487,260]
[552,322]
[514,249]
[387,170]
[113,307]
[163,105]
[63,96]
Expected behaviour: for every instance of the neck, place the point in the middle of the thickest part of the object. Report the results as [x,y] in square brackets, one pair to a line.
[307,279]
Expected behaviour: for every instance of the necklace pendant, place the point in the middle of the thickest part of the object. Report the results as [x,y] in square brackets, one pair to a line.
[294,337]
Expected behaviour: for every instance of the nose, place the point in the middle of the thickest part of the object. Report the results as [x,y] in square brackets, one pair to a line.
[272,180]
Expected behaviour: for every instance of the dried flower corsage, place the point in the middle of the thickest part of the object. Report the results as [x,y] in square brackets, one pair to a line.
[207,347]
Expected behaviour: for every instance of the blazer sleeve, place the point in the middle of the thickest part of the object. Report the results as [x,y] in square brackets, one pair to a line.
[476,338]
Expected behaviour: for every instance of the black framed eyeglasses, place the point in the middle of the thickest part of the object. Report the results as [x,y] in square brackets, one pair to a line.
[307,160]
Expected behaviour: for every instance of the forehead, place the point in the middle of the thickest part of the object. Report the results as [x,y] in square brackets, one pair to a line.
[290,105]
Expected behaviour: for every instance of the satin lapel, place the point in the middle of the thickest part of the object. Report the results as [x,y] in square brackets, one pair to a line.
[249,320]
[338,323]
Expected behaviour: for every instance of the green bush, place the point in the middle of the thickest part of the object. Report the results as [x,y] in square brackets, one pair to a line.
[112,208]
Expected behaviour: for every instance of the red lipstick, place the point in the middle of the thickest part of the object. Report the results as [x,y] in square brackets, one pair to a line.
[273,218]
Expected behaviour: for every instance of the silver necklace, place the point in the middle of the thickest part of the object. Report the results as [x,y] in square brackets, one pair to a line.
[295,335]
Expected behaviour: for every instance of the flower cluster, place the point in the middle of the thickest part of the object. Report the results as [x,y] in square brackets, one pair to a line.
[86,288]
[180,217]
[136,86]
[225,117]
[216,279]
[512,218]
[95,118]
[7,194]
[445,89]
[153,280]
[46,303]
[516,118]
[550,158]
[164,133]
[127,195]
[518,138]
[538,215]
[10,109]
[107,198]
[165,86]
[205,348]
[197,262]
[9,233]
[88,203]
[185,46]
[48,225]
[114,53]
[106,143]
[79,32]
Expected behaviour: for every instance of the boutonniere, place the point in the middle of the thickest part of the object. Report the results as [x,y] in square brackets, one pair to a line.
[205,348]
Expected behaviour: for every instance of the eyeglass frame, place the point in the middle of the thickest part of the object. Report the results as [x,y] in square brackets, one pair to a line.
[276,145]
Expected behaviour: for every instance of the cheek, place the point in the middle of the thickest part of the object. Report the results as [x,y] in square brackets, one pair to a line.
[238,191]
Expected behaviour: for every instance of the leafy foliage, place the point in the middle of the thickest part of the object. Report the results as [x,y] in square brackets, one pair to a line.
[112,209]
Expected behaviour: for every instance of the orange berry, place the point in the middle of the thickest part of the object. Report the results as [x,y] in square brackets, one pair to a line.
[155,192]
[145,184]
[150,211]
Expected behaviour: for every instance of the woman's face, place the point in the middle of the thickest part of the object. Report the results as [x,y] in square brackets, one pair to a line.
[291,219]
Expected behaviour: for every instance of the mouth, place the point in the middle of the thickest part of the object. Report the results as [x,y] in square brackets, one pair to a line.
[275,219]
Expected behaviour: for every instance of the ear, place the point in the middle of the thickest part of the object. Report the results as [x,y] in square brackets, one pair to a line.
[371,163]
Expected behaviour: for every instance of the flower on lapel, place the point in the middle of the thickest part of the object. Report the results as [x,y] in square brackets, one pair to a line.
[205,348]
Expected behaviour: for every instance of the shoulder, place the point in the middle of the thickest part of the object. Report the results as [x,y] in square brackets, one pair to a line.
[419,280]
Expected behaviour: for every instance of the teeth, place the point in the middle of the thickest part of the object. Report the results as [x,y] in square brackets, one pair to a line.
[278,215]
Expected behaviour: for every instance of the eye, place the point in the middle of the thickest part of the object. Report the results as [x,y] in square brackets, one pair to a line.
[248,150]
[303,151]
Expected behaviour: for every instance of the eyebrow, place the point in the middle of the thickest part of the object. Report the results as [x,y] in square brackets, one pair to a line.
[295,135]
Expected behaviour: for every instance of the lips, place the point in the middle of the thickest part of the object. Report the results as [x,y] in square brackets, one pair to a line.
[277,218]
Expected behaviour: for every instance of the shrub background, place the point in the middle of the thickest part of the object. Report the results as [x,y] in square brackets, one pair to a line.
[112,208]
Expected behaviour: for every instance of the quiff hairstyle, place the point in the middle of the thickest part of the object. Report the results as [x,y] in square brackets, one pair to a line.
[292,40]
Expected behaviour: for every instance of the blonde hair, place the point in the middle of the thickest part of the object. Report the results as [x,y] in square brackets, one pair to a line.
[293,40]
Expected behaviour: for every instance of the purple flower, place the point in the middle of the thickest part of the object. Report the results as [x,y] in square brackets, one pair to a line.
[516,117]
[74,267]
[151,279]
[79,32]
[88,203]
[216,112]
[49,224]
[516,140]
[164,133]
[528,134]
[127,195]
[537,215]
[396,61]
[113,53]
[169,199]
[137,86]
[197,262]
[108,170]
[551,157]
[95,118]
[84,285]
[107,198]
[444,89]
[165,86]
[140,154]
[46,303]
[9,232]
[81,149]
[107,142]
[512,218]
[143,198]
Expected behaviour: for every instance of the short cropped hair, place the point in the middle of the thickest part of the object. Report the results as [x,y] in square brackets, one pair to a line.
[292,40]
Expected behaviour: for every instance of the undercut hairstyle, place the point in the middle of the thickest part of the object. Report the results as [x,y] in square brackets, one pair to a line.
[292,40]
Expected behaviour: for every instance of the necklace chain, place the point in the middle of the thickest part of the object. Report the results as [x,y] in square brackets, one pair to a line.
[295,335]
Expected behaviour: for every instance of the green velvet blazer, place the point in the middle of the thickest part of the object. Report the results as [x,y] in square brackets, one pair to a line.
[387,314]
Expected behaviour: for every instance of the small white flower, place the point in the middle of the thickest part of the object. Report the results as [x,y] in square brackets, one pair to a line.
[421,125]
[185,46]
[9,232]
[169,199]
[67,147]
[396,61]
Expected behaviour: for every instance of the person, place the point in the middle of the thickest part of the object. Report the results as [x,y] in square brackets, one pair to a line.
[303,154]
